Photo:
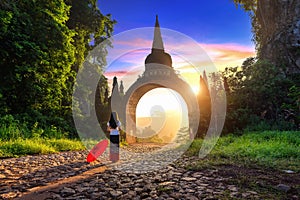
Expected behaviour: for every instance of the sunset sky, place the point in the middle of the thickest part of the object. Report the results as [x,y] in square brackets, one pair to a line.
[221,29]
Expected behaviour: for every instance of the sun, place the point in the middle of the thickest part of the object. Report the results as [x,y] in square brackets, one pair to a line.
[195,88]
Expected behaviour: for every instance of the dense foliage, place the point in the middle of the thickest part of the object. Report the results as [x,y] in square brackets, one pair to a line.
[37,55]
[43,44]
[264,93]
[261,96]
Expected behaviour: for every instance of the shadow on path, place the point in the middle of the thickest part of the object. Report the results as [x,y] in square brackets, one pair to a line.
[21,175]
[47,191]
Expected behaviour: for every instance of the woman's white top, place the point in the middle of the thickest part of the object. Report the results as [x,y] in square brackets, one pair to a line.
[116,130]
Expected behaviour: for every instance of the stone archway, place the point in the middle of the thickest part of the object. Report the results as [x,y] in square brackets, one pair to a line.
[159,78]
[158,73]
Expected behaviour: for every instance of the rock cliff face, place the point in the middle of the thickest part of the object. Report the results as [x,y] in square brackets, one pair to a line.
[277,27]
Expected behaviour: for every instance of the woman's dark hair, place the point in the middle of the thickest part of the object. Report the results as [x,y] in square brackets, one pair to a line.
[113,120]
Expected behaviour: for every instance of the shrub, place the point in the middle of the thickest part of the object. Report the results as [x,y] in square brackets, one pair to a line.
[11,129]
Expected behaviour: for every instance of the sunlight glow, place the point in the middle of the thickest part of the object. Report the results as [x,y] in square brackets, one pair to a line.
[158,97]
[161,112]
[195,89]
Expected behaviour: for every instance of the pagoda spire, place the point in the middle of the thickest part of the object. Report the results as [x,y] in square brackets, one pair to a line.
[158,54]
[157,40]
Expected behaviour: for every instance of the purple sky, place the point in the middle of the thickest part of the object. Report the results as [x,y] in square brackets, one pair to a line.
[206,21]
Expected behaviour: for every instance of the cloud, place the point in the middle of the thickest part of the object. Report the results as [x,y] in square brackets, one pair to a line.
[127,76]
[130,64]
[226,54]
[121,73]
[116,73]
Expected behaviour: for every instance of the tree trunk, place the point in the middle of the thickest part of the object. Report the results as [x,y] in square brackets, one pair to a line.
[277,28]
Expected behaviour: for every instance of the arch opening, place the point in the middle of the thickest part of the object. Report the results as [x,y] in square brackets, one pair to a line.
[183,98]
[160,114]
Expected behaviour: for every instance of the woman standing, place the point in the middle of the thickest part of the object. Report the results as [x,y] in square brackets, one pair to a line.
[114,126]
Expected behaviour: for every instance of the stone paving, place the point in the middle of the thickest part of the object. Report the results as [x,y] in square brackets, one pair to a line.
[67,175]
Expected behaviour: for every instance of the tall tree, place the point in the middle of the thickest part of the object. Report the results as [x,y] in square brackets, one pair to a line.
[204,102]
[43,44]
[275,25]
[91,28]
[36,54]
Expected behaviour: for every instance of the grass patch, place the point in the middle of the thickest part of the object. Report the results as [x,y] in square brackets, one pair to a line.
[65,144]
[274,149]
[13,129]
[21,147]
[162,189]
[18,138]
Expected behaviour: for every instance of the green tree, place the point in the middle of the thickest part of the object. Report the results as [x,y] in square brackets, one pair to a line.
[43,44]
[91,28]
[257,92]
[101,102]
[36,55]
[204,102]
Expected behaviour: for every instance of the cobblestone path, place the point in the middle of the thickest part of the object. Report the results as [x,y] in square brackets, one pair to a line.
[67,175]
